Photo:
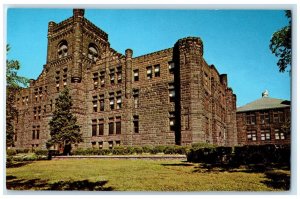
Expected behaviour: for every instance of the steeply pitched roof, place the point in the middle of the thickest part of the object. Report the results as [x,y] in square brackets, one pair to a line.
[264,103]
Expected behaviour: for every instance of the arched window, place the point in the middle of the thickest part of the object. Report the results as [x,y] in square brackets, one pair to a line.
[93,52]
[62,49]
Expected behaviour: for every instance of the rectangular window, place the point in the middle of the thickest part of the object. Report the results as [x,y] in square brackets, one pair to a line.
[136,124]
[118,125]
[251,135]
[95,80]
[119,99]
[119,75]
[34,113]
[136,98]
[100,145]
[112,101]
[94,127]
[101,102]
[172,121]
[250,118]
[37,134]
[65,80]
[279,135]
[95,106]
[110,144]
[111,126]
[102,79]
[171,67]
[33,134]
[277,116]
[118,143]
[265,135]
[93,144]
[112,76]
[264,118]
[157,70]
[171,92]
[136,75]
[149,72]
[101,127]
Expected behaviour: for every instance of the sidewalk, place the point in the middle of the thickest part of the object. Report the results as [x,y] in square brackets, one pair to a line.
[147,157]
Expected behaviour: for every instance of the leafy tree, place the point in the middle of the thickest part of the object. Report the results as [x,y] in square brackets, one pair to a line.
[64,130]
[14,83]
[281,44]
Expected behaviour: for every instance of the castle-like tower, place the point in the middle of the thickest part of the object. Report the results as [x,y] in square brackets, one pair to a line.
[167,97]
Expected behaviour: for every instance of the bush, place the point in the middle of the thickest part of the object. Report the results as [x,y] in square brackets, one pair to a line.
[41,152]
[147,149]
[23,150]
[11,152]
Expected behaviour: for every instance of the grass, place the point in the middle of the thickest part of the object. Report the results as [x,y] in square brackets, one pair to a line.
[134,175]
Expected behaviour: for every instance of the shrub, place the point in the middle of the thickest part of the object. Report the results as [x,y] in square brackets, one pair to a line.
[41,152]
[138,150]
[11,152]
[23,150]
[147,149]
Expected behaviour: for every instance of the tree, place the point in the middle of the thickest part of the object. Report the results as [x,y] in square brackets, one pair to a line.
[64,130]
[14,83]
[281,44]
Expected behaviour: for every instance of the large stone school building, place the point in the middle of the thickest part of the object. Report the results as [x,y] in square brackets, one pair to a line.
[166,97]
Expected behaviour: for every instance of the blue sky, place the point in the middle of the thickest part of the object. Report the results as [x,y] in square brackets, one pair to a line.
[235,41]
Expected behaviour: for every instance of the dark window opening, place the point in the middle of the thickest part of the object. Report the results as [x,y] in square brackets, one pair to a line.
[172,121]
[157,70]
[136,124]
[171,92]
[136,75]
[149,72]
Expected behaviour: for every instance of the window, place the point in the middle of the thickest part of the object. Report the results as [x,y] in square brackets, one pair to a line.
[119,75]
[40,93]
[251,135]
[101,102]
[264,118]
[62,49]
[95,108]
[171,67]
[277,116]
[111,126]
[100,145]
[157,70]
[101,127]
[265,135]
[136,124]
[102,79]
[112,76]
[136,98]
[39,112]
[171,92]
[33,134]
[34,113]
[136,75]
[93,144]
[110,144]
[118,125]
[57,79]
[149,72]
[279,135]
[172,121]
[118,143]
[206,79]
[93,52]
[38,134]
[65,80]
[250,118]
[95,79]
[111,101]
[94,127]
[119,99]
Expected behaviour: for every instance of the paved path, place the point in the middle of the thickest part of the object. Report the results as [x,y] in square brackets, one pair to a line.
[150,157]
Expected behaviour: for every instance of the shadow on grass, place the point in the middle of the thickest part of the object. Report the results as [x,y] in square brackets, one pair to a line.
[17,164]
[179,164]
[278,180]
[13,183]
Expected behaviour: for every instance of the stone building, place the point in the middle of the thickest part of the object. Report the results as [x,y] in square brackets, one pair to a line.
[264,121]
[166,97]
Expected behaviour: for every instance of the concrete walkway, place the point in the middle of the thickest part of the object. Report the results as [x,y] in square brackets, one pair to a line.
[146,157]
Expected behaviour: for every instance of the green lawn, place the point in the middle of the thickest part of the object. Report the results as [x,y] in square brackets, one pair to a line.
[133,175]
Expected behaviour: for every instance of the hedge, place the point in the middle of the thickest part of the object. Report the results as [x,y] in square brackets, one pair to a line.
[241,155]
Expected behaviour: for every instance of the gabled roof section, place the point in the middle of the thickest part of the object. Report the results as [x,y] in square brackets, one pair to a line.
[264,103]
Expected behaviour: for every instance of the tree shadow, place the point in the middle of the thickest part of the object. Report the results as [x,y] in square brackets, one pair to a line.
[13,183]
[277,180]
[178,164]
[17,164]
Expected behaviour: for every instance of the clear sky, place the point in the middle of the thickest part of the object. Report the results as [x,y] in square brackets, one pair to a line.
[235,41]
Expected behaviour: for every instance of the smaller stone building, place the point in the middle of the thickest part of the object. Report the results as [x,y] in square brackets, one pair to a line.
[264,121]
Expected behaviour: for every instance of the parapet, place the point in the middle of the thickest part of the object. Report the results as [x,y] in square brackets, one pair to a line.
[190,43]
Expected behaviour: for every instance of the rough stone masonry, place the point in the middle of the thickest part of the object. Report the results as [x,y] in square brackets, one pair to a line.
[166,97]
